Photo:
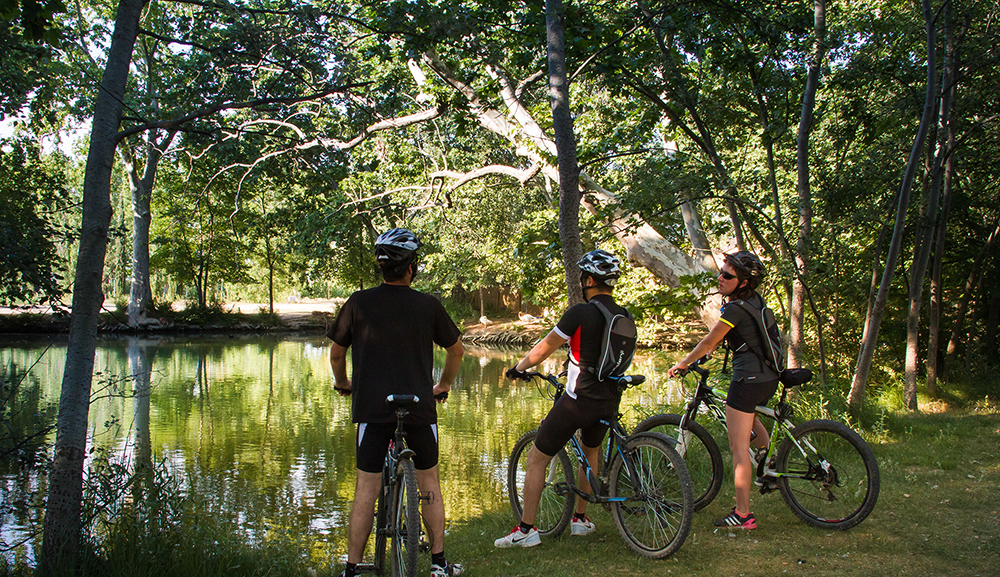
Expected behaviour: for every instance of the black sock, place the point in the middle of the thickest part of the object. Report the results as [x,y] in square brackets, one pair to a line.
[352,570]
[579,516]
[438,559]
[526,527]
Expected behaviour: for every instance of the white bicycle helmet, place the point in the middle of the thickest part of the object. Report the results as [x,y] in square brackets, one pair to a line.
[397,245]
[601,265]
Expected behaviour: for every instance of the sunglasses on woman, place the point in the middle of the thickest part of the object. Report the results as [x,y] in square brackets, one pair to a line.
[727,275]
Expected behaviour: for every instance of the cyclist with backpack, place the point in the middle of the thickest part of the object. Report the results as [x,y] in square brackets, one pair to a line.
[602,339]
[757,361]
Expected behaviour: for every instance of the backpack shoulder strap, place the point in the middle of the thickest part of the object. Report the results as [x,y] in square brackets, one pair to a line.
[756,315]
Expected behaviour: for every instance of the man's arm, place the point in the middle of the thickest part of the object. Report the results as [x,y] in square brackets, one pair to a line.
[452,362]
[338,361]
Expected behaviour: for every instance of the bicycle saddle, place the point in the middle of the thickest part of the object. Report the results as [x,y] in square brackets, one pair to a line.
[402,400]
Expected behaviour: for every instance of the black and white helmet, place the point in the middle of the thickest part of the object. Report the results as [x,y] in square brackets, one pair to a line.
[747,266]
[601,265]
[397,245]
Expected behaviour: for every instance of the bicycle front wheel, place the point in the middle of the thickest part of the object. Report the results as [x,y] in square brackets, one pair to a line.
[651,496]
[700,452]
[829,476]
[406,521]
[555,508]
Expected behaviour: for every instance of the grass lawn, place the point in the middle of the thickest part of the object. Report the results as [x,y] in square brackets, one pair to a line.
[938,514]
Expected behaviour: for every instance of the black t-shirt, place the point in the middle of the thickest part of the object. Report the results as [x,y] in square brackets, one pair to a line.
[743,338]
[391,331]
[583,326]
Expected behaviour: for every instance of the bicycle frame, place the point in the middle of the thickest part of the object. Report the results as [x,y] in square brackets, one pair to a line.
[779,416]
[616,439]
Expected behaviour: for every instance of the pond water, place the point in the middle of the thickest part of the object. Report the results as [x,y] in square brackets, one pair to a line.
[251,426]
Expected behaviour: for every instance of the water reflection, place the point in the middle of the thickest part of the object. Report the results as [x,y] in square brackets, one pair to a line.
[252,429]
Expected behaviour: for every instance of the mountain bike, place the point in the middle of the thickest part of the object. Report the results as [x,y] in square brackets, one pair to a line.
[825,472]
[645,484]
[397,512]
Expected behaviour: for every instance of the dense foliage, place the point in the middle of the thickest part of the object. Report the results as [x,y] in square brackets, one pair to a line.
[296,140]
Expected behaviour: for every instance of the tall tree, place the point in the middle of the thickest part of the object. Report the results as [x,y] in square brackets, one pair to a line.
[62,511]
[569,170]
[872,327]
[802,246]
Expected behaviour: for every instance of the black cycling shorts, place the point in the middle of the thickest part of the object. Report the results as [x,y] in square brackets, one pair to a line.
[373,442]
[745,397]
[568,415]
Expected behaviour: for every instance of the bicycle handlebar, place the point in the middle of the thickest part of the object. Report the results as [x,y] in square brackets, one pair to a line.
[624,381]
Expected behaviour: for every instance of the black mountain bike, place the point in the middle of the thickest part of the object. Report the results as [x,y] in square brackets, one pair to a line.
[826,473]
[397,512]
[645,484]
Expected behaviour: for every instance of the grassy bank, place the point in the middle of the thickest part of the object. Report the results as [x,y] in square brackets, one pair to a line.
[938,513]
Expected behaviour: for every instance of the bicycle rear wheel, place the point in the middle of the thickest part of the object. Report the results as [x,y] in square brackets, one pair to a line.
[555,508]
[700,452]
[381,518]
[406,521]
[832,482]
[654,517]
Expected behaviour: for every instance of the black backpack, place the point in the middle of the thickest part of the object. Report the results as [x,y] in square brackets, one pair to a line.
[771,354]
[617,344]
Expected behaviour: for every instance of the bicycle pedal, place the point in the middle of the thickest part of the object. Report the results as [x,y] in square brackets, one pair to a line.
[562,489]
[425,496]
[424,546]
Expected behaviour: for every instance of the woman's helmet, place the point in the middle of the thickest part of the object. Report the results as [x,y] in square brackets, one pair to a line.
[601,265]
[747,266]
[398,246]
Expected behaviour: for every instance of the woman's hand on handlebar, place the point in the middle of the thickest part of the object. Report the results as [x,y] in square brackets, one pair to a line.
[678,370]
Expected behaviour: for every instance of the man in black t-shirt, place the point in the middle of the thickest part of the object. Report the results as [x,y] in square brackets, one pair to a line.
[587,399]
[391,330]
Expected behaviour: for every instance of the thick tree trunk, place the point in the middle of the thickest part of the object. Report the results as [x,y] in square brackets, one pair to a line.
[867,353]
[140,295]
[62,512]
[569,170]
[802,246]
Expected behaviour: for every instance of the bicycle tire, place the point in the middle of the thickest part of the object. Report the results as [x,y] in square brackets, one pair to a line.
[700,452]
[406,521]
[655,518]
[838,497]
[554,509]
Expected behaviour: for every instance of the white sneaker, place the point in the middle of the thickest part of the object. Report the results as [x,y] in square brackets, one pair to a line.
[581,527]
[449,570]
[518,538]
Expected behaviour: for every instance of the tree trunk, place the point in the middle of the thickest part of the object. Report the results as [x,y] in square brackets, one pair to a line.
[62,523]
[569,170]
[948,136]
[802,246]
[867,353]
[140,295]
[925,232]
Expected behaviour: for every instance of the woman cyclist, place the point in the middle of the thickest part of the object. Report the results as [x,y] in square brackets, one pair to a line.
[754,382]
